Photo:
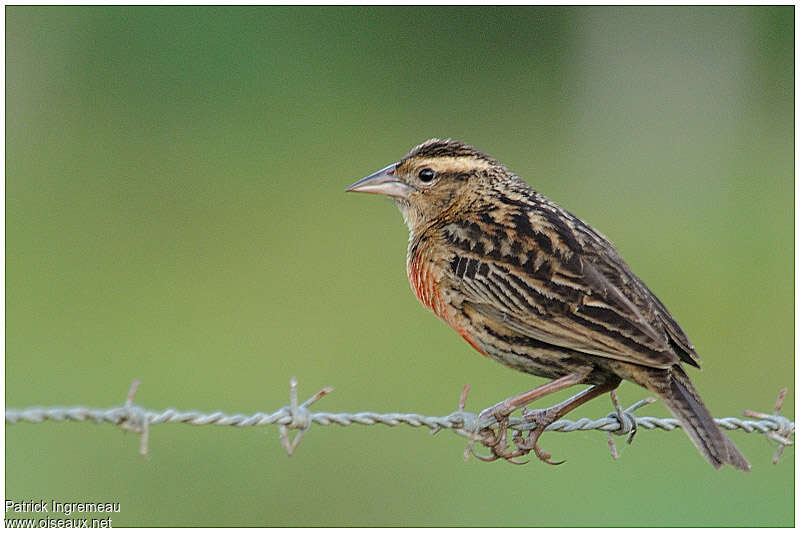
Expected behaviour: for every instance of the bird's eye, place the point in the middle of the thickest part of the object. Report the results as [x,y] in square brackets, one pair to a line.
[426,175]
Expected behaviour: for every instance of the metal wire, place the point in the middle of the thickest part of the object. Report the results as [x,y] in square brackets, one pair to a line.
[298,417]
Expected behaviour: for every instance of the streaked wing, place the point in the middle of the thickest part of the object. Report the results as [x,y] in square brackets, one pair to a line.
[547,275]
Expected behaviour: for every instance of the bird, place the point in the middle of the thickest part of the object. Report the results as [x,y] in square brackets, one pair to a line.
[533,287]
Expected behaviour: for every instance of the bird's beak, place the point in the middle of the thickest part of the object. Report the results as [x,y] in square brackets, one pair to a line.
[384,182]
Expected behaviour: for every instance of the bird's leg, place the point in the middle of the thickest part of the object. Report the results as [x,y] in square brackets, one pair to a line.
[501,411]
[545,417]
[509,405]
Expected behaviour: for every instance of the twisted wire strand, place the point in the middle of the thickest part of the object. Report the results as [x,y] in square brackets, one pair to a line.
[456,420]
[297,416]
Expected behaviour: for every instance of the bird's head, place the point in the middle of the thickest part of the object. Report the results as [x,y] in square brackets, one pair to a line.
[433,179]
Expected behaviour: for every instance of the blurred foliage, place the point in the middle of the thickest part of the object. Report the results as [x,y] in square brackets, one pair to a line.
[175,212]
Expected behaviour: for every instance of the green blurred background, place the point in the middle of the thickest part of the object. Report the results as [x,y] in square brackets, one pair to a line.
[175,212]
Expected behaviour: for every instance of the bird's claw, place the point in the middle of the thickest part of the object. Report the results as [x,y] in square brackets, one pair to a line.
[500,450]
[542,418]
[495,439]
[486,458]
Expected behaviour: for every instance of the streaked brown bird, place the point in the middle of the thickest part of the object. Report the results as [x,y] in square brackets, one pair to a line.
[533,287]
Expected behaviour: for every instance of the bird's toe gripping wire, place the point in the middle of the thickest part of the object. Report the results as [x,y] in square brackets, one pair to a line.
[497,442]
[542,418]
[478,429]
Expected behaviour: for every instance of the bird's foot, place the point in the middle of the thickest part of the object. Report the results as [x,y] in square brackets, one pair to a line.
[496,439]
[542,418]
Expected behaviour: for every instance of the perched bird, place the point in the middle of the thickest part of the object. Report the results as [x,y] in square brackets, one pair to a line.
[533,287]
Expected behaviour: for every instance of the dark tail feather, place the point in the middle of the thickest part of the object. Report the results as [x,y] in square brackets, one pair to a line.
[677,392]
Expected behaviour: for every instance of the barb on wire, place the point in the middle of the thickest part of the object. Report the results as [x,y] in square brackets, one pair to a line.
[297,416]
[783,432]
[300,416]
[628,424]
[135,418]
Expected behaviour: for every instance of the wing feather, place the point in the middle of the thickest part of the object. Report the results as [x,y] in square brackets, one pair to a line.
[564,284]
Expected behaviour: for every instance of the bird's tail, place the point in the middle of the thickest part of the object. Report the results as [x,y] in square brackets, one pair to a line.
[680,396]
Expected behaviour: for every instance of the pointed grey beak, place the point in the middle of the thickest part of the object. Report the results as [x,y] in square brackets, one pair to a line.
[383,182]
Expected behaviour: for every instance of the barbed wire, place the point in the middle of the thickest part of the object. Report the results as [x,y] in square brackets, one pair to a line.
[297,416]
